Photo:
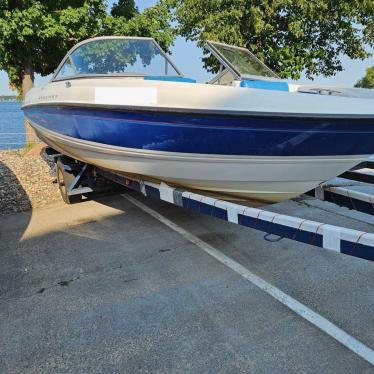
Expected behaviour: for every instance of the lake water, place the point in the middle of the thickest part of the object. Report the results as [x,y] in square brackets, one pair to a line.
[12,132]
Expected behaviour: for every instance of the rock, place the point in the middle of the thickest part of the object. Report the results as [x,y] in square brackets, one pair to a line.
[25,182]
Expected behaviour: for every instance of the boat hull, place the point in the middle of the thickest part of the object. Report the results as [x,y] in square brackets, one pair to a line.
[262,178]
[197,133]
[262,144]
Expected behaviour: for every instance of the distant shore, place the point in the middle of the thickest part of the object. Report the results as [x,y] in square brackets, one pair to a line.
[8,98]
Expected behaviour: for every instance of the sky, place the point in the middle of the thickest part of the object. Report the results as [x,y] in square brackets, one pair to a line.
[187,57]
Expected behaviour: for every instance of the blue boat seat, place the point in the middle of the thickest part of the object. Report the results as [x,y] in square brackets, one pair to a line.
[169,79]
[265,85]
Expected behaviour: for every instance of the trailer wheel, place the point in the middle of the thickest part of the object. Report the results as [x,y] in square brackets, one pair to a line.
[64,179]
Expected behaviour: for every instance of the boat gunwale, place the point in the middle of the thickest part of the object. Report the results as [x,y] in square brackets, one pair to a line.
[193,111]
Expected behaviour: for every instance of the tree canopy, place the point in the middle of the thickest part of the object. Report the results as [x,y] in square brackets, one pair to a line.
[35,34]
[124,8]
[290,36]
[368,80]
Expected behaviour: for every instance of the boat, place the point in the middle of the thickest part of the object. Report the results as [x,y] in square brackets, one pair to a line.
[121,104]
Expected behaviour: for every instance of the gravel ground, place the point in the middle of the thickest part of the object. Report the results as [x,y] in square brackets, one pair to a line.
[25,181]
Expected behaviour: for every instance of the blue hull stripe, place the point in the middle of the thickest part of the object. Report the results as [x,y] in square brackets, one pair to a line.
[210,134]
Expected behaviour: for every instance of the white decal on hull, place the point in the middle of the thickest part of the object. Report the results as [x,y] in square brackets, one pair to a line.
[126,95]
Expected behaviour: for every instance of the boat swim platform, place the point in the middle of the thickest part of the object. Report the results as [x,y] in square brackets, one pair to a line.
[276,226]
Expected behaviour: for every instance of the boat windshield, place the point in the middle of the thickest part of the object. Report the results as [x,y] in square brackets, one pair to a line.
[116,56]
[239,61]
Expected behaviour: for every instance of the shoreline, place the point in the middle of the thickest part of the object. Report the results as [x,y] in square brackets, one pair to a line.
[25,181]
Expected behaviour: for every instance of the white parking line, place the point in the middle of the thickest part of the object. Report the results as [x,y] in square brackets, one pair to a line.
[302,310]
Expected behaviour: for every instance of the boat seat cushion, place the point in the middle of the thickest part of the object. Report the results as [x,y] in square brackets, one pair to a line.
[169,79]
[265,85]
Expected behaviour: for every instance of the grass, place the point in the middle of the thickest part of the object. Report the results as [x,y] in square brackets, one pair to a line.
[27,147]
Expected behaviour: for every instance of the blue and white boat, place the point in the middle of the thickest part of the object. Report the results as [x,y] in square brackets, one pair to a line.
[120,103]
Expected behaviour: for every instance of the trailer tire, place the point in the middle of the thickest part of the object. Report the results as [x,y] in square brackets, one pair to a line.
[64,179]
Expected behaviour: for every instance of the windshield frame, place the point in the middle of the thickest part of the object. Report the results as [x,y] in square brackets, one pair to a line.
[211,46]
[87,41]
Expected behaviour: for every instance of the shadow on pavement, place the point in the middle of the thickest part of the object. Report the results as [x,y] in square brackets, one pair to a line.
[15,216]
[13,198]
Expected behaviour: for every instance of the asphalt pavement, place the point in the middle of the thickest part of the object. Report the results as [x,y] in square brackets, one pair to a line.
[104,287]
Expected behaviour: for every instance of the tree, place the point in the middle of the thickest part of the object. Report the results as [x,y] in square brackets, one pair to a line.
[124,8]
[35,34]
[368,80]
[154,22]
[290,36]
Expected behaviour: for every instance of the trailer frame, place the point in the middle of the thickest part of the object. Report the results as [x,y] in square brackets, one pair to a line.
[339,239]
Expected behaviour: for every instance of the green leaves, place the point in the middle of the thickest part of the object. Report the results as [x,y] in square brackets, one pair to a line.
[368,80]
[124,8]
[41,32]
[290,36]
[154,22]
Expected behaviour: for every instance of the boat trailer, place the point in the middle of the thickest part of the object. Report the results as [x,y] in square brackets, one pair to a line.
[76,179]
[354,189]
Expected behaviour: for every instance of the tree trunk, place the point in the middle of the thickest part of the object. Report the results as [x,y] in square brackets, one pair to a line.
[27,84]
